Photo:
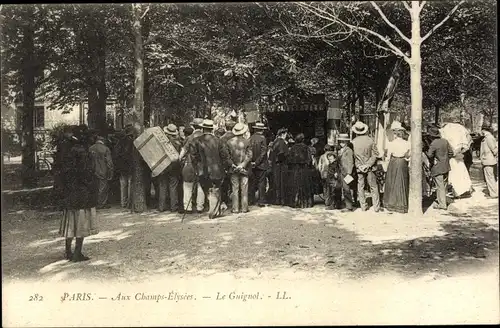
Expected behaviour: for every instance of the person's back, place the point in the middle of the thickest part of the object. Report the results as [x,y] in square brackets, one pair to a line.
[238,149]
[363,150]
[258,144]
[439,152]
[101,155]
[208,156]
[489,149]
[122,155]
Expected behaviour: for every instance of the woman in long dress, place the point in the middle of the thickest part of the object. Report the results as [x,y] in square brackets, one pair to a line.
[397,177]
[299,161]
[80,195]
[278,157]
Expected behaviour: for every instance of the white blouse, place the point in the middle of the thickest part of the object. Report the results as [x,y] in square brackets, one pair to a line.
[398,148]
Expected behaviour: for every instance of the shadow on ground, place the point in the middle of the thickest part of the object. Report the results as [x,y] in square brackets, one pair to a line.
[136,247]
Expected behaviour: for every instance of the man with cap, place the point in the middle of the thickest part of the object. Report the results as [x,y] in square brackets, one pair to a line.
[122,159]
[192,192]
[489,160]
[439,154]
[365,157]
[102,162]
[260,164]
[168,180]
[210,160]
[241,156]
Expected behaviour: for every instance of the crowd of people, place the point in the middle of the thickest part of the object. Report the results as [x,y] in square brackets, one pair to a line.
[233,168]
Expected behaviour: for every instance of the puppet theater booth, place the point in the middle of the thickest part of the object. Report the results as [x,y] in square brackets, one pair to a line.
[297,110]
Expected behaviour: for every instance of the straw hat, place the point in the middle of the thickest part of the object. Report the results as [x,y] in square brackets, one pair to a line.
[343,137]
[396,125]
[207,124]
[197,122]
[359,128]
[260,126]
[171,130]
[240,129]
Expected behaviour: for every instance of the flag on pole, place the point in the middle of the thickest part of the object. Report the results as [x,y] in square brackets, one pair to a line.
[390,89]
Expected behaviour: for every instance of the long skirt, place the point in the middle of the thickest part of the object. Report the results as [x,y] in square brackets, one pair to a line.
[279,185]
[397,185]
[459,177]
[78,223]
[301,187]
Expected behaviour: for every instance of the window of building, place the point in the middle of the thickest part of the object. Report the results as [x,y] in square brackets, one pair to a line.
[38,116]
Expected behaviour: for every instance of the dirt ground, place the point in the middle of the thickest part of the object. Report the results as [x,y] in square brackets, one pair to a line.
[443,263]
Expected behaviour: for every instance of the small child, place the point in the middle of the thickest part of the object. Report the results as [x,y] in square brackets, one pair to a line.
[333,183]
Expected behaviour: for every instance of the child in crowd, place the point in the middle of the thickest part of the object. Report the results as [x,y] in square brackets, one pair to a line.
[333,182]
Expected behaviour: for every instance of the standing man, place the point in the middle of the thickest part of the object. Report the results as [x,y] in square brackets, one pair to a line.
[346,165]
[226,184]
[365,157]
[192,192]
[210,160]
[168,181]
[489,160]
[122,159]
[439,154]
[103,169]
[260,164]
[241,155]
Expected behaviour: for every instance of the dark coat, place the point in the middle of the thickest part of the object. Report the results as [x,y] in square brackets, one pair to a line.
[439,154]
[299,154]
[175,167]
[188,172]
[122,155]
[258,144]
[78,179]
[210,157]
[279,151]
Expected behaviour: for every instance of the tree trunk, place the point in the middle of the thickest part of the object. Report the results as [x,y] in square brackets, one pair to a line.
[436,114]
[415,194]
[27,120]
[138,188]
[97,92]
[147,100]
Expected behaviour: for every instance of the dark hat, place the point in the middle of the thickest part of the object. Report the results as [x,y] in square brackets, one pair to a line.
[281,131]
[434,132]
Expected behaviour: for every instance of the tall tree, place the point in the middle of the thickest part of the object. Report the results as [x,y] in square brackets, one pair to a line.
[138,192]
[330,14]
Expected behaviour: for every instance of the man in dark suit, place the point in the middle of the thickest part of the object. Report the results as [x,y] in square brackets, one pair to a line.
[226,184]
[192,192]
[260,164]
[439,154]
[210,160]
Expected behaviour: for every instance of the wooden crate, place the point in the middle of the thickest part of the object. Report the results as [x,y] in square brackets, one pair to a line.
[156,150]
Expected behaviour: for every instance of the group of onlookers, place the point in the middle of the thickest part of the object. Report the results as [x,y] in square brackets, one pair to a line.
[236,168]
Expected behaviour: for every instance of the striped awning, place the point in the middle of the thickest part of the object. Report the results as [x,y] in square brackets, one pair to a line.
[284,107]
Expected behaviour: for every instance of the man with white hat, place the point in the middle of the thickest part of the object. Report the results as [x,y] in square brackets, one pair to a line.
[210,160]
[168,180]
[260,163]
[241,156]
[365,157]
